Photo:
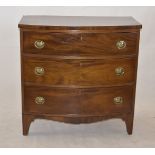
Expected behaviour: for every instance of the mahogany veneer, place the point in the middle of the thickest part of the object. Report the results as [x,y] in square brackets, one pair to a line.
[78,69]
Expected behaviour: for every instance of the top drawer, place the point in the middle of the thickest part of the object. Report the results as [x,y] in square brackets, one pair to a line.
[80,44]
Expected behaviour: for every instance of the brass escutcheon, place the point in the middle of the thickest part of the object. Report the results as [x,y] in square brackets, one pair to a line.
[39,71]
[39,44]
[39,100]
[121,44]
[118,100]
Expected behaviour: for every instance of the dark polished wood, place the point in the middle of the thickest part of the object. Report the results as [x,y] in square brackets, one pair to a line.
[80,44]
[78,23]
[79,72]
[78,58]
[27,119]
[70,101]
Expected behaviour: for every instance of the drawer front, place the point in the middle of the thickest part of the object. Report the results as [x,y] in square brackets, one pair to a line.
[107,72]
[99,101]
[56,72]
[79,72]
[56,101]
[80,44]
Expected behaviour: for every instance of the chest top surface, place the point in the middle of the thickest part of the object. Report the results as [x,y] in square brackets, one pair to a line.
[78,22]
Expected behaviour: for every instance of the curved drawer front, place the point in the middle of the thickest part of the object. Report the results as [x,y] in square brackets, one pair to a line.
[56,101]
[99,101]
[107,72]
[56,72]
[79,72]
[80,44]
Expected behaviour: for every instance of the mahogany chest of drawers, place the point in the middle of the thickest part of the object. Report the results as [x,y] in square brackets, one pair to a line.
[78,69]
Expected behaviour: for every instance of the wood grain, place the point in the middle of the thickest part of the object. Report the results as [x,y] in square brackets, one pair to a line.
[79,72]
[63,101]
[80,44]
[78,23]
[79,59]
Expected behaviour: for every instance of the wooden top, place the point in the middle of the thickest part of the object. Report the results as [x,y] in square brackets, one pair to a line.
[78,22]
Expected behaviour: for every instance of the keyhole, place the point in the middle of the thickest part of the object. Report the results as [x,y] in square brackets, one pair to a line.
[81,38]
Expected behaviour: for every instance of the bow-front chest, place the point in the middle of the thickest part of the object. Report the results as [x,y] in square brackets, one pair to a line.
[78,69]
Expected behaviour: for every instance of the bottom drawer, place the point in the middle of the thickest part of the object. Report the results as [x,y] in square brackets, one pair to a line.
[84,101]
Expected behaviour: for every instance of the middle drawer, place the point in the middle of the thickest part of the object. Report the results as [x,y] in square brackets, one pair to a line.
[45,71]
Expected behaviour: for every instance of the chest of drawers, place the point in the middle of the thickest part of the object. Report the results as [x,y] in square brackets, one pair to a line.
[78,69]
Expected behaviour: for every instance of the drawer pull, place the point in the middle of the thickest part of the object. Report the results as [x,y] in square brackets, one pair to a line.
[119,71]
[118,100]
[39,44]
[39,100]
[121,44]
[39,71]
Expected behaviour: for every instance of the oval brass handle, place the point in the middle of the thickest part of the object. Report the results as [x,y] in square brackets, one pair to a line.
[119,71]
[118,100]
[121,44]
[39,44]
[39,100]
[39,71]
